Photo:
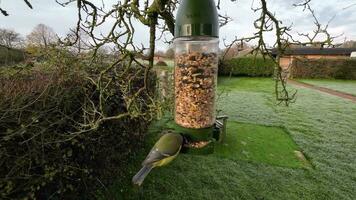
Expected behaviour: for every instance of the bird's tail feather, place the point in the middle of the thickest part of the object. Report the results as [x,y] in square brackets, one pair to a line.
[141,175]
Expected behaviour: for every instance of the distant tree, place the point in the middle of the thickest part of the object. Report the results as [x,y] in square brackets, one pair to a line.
[170,53]
[42,36]
[349,44]
[294,46]
[80,41]
[235,49]
[9,38]
[159,53]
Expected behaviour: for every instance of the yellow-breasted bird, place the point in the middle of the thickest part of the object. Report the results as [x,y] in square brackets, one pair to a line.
[163,152]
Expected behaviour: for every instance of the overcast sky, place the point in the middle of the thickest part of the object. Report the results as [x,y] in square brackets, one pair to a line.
[23,20]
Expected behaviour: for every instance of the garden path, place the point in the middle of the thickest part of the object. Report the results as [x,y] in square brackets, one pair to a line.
[325,90]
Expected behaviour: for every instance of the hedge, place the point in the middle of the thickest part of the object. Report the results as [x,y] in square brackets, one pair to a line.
[43,153]
[247,66]
[10,56]
[324,68]
[161,63]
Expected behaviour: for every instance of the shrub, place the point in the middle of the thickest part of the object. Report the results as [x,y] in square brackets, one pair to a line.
[247,66]
[324,68]
[161,63]
[10,56]
[44,152]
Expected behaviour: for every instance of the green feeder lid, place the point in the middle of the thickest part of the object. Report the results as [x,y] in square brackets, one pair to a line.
[197,18]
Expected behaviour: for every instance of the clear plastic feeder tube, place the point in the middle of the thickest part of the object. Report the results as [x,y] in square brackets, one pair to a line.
[195,80]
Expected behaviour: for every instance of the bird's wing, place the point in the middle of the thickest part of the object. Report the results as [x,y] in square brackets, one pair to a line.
[168,145]
[154,156]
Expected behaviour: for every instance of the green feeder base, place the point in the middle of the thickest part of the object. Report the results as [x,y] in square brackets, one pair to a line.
[205,150]
[194,135]
[202,141]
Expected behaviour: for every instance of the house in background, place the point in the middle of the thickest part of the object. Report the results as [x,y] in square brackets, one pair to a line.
[353,55]
[312,53]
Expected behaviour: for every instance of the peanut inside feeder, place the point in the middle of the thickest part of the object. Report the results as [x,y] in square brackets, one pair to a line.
[199,144]
[195,82]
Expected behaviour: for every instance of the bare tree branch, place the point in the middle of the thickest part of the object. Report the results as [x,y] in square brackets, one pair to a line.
[5,13]
[268,22]
[28,4]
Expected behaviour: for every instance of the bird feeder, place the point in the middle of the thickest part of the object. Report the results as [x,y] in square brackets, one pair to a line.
[195,74]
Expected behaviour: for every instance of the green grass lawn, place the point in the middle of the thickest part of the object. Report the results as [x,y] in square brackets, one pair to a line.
[265,144]
[348,86]
[322,126]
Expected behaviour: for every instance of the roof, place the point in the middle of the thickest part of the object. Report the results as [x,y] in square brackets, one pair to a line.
[244,52]
[317,51]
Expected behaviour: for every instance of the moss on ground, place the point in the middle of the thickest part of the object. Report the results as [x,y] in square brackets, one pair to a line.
[256,143]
